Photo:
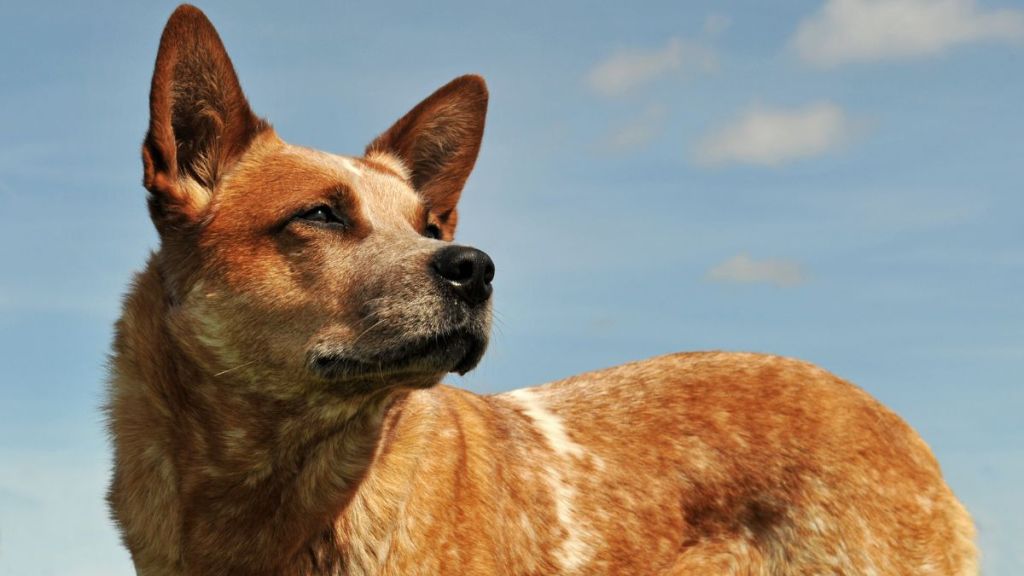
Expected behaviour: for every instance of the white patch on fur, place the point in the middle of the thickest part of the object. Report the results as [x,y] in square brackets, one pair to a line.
[342,167]
[549,424]
[818,524]
[209,328]
[575,550]
[350,166]
[199,196]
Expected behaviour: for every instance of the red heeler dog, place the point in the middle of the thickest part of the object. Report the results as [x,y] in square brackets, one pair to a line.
[275,403]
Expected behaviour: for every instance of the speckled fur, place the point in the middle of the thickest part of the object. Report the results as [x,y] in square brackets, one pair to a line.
[233,457]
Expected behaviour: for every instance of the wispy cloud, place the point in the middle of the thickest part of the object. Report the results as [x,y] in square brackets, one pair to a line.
[742,269]
[871,30]
[772,136]
[626,69]
[716,23]
[638,131]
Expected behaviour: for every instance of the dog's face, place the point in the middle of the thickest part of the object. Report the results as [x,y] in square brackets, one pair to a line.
[294,263]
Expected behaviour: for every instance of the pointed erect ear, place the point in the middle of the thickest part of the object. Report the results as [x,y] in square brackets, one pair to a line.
[438,142]
[200,121]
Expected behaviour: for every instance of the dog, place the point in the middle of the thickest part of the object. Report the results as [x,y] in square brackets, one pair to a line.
[275,406]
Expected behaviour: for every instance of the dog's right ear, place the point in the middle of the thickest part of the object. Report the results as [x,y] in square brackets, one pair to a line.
[200,121]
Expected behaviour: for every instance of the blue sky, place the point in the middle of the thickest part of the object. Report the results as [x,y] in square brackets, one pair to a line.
[837,180]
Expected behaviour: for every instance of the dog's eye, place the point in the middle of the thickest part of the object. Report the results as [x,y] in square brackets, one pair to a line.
[321,215]
[432,231]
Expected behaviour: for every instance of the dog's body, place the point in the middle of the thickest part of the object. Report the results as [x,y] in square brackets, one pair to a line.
[275,404]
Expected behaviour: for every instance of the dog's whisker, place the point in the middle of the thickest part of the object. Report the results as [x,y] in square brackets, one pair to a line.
[367,331]
[243,365]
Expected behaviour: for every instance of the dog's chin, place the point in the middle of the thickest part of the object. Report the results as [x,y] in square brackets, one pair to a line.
[418,362]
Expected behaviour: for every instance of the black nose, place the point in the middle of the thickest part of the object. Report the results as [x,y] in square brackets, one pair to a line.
[466,270]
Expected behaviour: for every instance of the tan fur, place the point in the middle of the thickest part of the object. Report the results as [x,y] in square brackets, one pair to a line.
[242,449]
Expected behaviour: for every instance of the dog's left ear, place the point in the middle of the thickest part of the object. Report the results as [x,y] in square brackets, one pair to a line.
[438,141]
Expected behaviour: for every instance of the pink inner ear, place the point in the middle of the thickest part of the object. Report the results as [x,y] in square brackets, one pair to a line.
[438,141]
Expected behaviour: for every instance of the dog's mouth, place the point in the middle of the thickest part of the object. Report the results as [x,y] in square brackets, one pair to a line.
[458,351]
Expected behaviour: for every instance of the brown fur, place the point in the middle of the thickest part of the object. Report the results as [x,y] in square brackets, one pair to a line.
[275,407]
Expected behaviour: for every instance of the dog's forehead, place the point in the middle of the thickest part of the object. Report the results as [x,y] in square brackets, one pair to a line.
[288,177]
[379,182]
[333,166]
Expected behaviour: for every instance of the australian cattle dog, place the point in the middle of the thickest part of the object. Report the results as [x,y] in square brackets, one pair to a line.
[276,408]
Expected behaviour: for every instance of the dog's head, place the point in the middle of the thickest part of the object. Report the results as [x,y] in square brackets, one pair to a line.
[281,260]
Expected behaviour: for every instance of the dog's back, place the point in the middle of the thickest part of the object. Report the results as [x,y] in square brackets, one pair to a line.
[699,463]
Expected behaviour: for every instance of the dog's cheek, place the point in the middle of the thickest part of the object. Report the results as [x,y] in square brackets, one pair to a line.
[248,316]
[204,324]
[327,295]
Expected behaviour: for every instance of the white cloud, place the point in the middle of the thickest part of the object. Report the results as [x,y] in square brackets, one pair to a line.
[638,132]
[628,68]
[715,24]
[870,30]
[770,137]
[742,269]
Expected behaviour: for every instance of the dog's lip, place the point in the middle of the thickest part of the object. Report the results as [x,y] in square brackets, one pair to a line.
[472,357]
[456,351]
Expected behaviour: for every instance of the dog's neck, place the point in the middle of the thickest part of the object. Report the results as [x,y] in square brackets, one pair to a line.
[260,479]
